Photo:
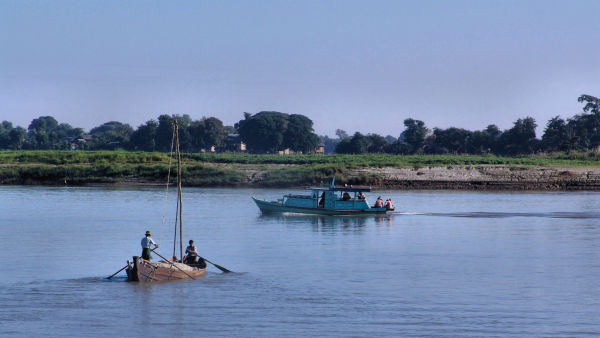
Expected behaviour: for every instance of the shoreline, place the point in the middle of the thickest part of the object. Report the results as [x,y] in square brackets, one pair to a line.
[455,177]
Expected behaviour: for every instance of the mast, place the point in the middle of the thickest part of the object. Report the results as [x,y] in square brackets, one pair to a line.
[179,199]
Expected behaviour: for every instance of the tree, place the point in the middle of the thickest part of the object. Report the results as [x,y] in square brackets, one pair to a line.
[414,135]
[45,133]
[143,138]
[110,134]
[270,131]
[17,138]
[451,140]
[207,132]
[5,129]
[39,132]
[263,132]
[484,141]
[164,132]
[360,143]
[391,139]
[299,135]
[378,143]
[592,103]
[341,134]
[555,136]
[344,146]
[520,139]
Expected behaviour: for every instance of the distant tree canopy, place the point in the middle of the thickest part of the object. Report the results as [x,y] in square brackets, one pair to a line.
[207,132]
[578,133]
[110,135]
[270,131]
[45,133]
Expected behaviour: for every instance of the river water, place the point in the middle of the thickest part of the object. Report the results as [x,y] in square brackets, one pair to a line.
[447,264]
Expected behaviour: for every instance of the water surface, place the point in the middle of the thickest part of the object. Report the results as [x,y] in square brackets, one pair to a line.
[447,264]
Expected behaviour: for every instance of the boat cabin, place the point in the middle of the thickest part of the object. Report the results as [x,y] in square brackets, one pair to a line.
[339,198]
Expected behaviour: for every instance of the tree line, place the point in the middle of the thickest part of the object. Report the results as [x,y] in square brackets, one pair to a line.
[270,131]
[578,133]
[264,132]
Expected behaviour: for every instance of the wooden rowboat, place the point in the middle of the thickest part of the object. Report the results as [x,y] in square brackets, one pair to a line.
[141,270]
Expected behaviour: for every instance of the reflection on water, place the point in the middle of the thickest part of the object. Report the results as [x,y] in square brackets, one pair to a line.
[327,223]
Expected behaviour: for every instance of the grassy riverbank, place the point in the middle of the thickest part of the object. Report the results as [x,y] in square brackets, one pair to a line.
[120,167]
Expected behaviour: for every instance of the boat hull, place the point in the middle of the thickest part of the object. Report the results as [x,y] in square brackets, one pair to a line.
[276,207]
[146,271]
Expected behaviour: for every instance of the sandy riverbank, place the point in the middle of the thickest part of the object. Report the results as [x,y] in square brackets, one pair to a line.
[488,177]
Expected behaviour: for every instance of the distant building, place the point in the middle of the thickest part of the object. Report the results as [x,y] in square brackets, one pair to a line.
[78,143]
[320,149]
[234,143]
[212,149]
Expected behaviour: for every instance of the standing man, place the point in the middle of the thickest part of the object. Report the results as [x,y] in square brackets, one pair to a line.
[147,242]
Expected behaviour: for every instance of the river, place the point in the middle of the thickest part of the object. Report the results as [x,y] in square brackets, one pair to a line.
[446,264]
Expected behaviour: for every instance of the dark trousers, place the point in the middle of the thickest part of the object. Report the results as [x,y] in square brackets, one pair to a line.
[146,254]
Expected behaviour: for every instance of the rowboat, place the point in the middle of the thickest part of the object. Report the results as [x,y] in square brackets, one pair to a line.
[169,269]
[330,200]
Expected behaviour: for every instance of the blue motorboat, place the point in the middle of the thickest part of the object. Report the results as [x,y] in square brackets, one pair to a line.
[328,200]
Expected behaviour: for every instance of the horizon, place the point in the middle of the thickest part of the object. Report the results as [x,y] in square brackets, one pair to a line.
[351,66]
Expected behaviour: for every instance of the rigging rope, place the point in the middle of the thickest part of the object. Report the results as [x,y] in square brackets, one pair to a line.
[167,189]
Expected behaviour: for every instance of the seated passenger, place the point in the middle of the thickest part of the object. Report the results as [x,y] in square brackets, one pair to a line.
[361,196]
[192,253]
[378,203]
[388,204]
[346,196]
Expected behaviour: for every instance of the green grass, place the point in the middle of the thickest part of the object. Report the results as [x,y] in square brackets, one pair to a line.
[383,160]
[82,167]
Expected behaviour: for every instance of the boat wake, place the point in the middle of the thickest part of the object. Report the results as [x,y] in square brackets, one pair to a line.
[485,214]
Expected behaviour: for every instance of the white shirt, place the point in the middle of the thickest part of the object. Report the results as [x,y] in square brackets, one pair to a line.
[147,242]
[191,250]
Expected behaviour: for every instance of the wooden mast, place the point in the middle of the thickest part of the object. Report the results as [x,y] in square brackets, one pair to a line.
[179,199]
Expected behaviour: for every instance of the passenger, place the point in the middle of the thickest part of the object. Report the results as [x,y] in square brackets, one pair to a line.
[322,201]
[361,196]
[388,204]
[147,242]
[346,196]
[192,253]
[379,202]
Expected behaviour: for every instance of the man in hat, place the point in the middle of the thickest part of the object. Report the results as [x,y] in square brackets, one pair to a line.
[147,243]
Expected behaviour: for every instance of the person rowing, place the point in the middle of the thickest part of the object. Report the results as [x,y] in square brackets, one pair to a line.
[147,243]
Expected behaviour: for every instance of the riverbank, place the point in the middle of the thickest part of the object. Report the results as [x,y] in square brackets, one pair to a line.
[556,172]
[459,177]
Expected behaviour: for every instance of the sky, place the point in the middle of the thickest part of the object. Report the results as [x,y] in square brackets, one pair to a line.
[361,66]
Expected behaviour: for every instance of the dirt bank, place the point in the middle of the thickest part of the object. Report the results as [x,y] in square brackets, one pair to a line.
[487,177]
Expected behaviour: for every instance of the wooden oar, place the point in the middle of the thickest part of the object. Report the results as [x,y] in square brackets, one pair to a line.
[217,265]
[123,268]
[166,260]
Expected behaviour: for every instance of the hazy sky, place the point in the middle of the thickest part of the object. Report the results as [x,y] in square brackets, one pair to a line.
[355,65]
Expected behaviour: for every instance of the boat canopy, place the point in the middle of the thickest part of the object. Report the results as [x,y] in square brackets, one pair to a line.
[348,189]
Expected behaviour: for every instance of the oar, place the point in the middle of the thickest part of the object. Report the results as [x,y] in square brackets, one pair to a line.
[217,266]
[166,260]
[123,268]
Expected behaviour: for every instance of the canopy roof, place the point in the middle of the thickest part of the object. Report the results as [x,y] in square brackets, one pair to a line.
[348,189]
